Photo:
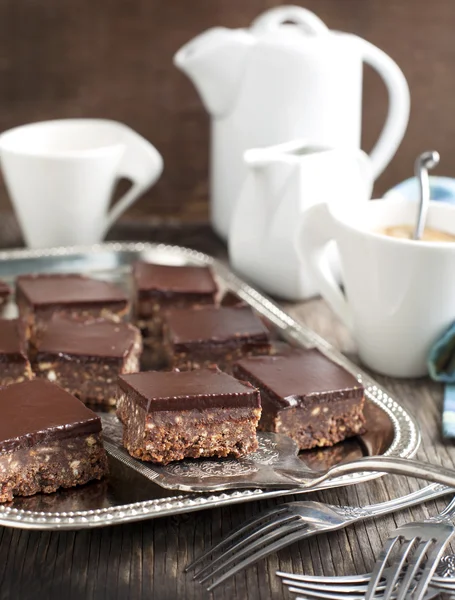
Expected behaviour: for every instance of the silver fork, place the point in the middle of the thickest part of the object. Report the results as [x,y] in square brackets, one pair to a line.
[355,587]
[444,575]
[427,538]
[282,525]
[306,594]
[358,593]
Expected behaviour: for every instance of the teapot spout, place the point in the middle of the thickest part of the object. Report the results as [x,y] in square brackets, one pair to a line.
[285,152]
[257,158]
[215,62]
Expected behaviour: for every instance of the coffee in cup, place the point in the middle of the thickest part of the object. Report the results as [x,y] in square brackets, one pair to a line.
[406,232]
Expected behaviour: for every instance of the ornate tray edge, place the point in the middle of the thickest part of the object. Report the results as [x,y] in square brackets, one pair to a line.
[405,444]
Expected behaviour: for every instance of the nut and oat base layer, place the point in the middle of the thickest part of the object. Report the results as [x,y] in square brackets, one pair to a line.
[36,319]
[311,429]
[14,372]
[48,467]
[166,436]
[92,381]
[222,355]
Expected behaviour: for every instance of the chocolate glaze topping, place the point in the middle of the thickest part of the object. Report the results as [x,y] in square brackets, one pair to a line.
[39,412]
[186,390]
[51,290]
[187,325]
[176,279]
[98,338]
[12,339]
[300,378]
[231,299]
[5,290]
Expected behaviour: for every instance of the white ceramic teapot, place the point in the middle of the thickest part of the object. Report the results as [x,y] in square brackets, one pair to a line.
[282,182]
[279,81]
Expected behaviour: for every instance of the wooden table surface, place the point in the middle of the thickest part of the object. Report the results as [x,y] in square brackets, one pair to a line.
[146,560]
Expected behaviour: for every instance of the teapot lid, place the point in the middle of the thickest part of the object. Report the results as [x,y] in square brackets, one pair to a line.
[280,17]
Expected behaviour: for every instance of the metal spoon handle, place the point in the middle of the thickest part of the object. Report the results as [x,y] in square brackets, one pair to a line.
[381,464]
[427,160]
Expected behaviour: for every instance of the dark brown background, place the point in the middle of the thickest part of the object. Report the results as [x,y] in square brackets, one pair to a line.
[114,59]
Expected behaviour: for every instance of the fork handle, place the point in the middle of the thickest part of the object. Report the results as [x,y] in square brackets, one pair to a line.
[429,492]
[382,464]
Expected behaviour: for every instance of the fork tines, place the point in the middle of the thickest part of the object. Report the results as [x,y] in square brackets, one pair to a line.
[255,539]
[353,587]
[422,545]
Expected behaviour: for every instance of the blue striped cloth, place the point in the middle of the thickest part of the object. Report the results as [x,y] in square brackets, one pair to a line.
[441,366]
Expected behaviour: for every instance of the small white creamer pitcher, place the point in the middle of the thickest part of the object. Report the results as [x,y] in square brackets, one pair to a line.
[283,181]
[61,174]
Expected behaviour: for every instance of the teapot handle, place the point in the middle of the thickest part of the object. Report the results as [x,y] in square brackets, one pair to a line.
[275,17]
[366,171]
[399,105]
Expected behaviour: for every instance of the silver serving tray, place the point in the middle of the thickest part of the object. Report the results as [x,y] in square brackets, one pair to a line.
[127,495]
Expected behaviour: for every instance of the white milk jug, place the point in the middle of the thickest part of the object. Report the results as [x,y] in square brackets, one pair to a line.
[279,81]
[282,183]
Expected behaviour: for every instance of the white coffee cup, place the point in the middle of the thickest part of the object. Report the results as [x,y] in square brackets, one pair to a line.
[61,174]
[399,294]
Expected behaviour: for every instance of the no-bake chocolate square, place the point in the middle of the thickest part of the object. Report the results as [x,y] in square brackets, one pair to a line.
[196,338]
[48,440]
[172,415]
[14,363]
[158,287]
[86,357]
[40,296]
[5,293]
[305,396]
